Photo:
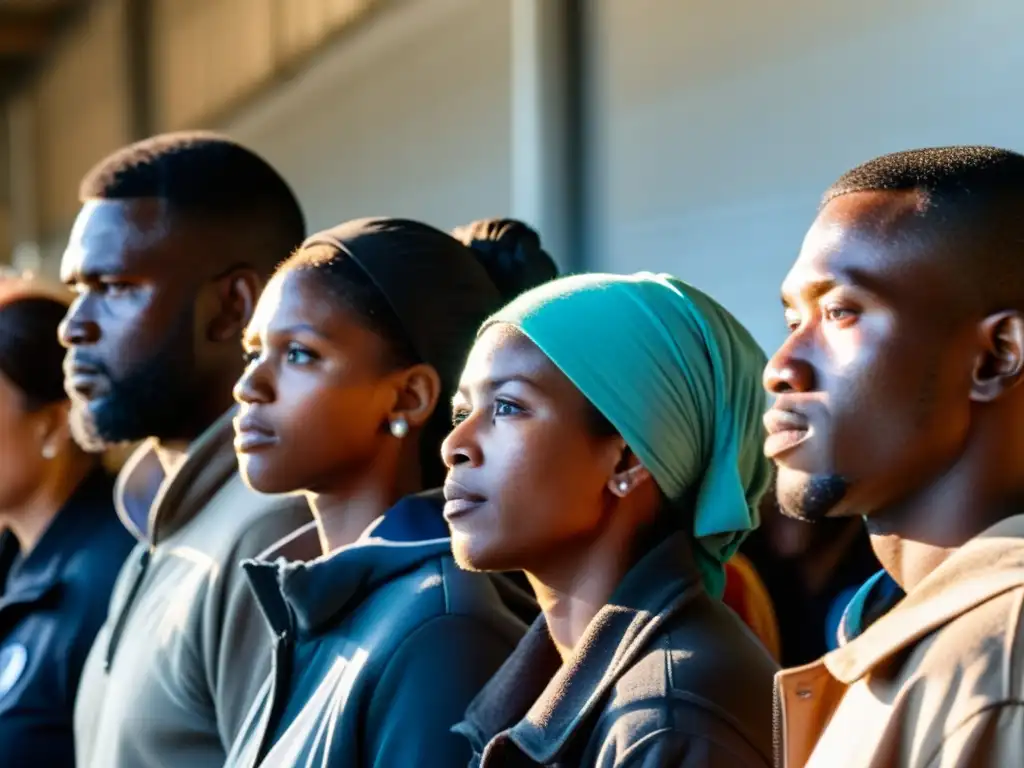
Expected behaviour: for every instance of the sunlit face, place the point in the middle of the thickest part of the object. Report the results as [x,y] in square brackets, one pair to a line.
[130,367]
[527,474]
[873,382]
[316,392]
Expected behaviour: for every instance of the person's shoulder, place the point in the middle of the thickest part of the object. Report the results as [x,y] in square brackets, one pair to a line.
[239,523]
[988,640]
[704,666]
[490,598]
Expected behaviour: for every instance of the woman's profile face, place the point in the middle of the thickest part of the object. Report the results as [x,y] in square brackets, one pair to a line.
[527,471]
[22,437]
[315,393]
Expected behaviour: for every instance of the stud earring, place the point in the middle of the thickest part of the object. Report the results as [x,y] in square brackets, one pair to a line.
[399,427]
[623,486]
[49,451]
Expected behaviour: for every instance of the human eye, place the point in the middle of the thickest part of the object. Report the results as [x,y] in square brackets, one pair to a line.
[300,355]
[505,408]
[115,287]
[840,314]
[792,318]
[459,414]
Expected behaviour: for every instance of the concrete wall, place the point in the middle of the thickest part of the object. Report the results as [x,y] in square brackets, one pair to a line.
[720,122]
[411,117]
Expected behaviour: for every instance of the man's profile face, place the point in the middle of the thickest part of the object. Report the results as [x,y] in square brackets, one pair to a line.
[129,368]
[873,382]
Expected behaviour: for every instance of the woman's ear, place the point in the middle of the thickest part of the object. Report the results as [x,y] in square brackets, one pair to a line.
[54,428]
[418,391]
[629,475]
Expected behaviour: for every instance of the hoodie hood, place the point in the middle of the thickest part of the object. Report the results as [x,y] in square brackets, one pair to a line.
[310,595]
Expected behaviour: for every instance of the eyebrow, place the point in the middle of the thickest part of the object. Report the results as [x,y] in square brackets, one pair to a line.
[494,384]
[856,278]
[288,330]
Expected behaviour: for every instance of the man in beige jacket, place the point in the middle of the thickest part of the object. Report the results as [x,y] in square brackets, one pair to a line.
[174,240]
[899,399]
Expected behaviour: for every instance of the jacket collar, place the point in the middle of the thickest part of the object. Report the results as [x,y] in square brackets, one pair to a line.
[984,567]
[43,568]
[152,504]
[312,594]
[538,702]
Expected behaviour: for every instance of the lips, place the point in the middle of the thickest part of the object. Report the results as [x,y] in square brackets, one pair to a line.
[459,501]
[252,435]
[84,381]
[786,430]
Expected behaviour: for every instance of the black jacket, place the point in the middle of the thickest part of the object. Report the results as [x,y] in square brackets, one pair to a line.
[664,676]
[379,648]
[53,603]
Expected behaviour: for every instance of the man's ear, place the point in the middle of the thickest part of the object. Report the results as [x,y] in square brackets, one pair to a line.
[236,292]
[1000,363]
[418,390]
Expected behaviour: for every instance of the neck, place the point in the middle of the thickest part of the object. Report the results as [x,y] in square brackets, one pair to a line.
[344,513]
[913,538]
[819,563]
[579,584]
[30,519]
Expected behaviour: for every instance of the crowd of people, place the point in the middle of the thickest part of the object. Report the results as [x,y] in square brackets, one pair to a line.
[406,497]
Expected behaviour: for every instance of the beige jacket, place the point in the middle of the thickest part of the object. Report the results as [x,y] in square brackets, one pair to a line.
[185,648]
[938,681]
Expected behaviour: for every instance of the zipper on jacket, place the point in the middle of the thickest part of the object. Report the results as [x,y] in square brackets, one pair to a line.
[277,696]
[776,724]
[122,616]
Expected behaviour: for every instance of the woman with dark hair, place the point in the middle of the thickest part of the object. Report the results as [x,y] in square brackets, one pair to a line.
[61,544]
[355,348]
[608,443]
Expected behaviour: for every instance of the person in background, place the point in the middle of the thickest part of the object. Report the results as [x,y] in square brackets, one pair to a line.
[607,442]
[811,573]
[899,399]
[175,239]
[382,641]
[61,545]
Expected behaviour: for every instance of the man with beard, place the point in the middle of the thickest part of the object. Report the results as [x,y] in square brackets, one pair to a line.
[899,399]
[168,255]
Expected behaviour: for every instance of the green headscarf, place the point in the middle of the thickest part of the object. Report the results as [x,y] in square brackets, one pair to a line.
[678,377]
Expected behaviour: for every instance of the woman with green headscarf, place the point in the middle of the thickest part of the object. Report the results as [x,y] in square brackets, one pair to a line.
[607,442]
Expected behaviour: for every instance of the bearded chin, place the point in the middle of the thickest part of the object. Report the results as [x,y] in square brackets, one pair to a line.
[814,498]
[157,399]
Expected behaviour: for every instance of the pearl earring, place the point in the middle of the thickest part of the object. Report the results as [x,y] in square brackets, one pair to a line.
[399,427]
[49,451]
[623,486]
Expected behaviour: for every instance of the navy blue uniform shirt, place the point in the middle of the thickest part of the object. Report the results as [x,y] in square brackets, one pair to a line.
[52,603]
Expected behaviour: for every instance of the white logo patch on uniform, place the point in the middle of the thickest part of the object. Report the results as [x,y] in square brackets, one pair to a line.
[13,660]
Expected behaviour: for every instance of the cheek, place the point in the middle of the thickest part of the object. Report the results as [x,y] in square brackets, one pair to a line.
[901,403]
[549,494]
[322,432]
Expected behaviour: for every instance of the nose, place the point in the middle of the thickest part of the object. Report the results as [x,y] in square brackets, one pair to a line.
[76,329]
[461,447]
[254,385]
[788,370]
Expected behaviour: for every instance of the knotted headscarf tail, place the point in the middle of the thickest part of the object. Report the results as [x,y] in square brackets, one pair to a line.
[678,377]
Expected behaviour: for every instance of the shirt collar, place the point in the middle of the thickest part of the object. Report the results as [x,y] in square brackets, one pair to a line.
[538,702]
[986,566]
[311,594]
